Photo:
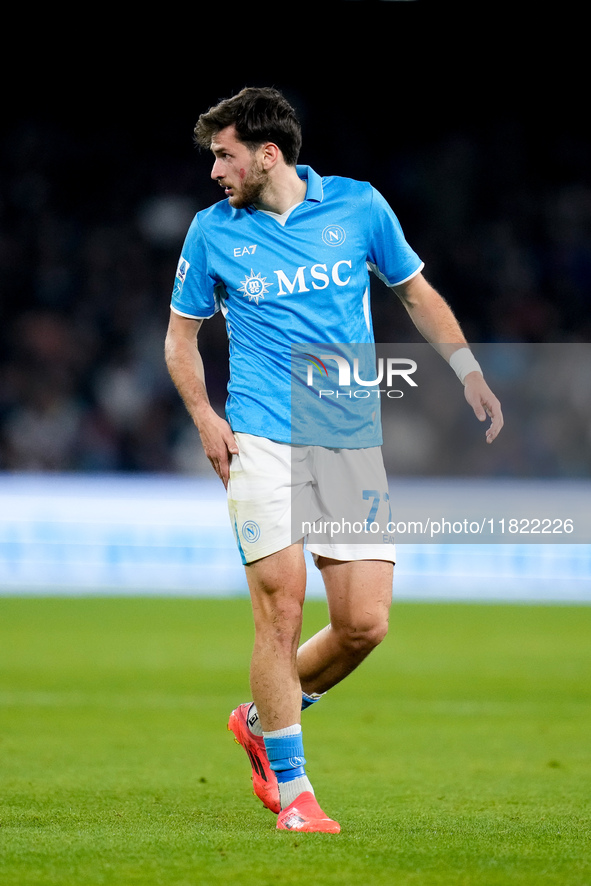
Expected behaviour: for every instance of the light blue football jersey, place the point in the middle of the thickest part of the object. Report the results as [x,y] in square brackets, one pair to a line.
[287,281]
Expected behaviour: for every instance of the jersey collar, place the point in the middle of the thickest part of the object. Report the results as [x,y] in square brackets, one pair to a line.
[315,191]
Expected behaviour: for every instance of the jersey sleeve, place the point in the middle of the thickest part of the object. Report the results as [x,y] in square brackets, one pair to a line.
[389,255]
[195,288]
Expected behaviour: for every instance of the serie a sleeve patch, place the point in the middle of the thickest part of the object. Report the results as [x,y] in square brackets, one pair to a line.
[181,274]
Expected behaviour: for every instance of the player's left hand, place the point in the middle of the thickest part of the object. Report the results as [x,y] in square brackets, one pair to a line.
[484,403]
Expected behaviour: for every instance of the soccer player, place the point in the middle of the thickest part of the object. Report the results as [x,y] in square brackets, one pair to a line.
[286,256]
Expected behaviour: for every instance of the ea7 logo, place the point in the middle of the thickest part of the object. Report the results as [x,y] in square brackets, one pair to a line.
[320,276]
[244,250]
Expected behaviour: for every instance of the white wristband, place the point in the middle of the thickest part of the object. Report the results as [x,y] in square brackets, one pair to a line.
[462,362]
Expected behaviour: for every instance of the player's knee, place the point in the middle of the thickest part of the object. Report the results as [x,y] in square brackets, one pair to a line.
[360,639]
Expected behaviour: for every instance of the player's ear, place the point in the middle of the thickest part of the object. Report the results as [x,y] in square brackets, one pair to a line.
[270,154]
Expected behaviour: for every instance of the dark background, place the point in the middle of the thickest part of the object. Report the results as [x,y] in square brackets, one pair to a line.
[471,120]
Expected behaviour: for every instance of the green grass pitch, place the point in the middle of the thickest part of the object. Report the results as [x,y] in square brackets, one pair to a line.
[458,754]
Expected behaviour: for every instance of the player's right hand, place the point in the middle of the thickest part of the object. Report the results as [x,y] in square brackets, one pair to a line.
[219,445]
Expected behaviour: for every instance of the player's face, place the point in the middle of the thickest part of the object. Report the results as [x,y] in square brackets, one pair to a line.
[237,169]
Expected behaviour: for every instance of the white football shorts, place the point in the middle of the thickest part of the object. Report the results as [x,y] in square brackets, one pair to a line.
[336,500]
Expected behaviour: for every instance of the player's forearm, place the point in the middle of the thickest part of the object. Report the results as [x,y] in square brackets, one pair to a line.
[186,370]
[432,316]
[436,322]
[187,373]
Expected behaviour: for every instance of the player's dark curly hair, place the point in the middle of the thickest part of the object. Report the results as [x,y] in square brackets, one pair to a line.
[260,115]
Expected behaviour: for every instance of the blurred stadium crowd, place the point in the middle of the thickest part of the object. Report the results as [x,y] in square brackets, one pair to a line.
[90,232]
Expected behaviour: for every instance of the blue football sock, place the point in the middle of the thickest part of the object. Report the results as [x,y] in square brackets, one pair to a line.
[285,750]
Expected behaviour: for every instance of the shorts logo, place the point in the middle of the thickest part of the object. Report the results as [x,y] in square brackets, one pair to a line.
[254,287]
[251,531]
[334,235]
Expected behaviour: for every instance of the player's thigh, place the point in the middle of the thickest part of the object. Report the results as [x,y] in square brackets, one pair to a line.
[277,585]
[358,592]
